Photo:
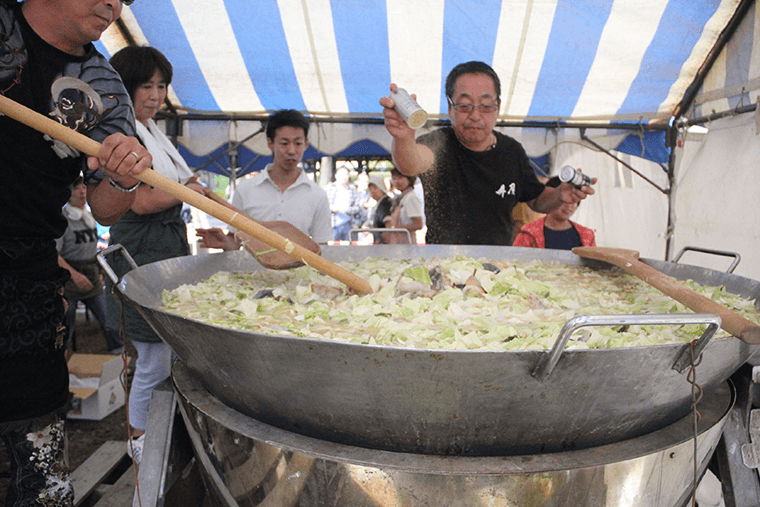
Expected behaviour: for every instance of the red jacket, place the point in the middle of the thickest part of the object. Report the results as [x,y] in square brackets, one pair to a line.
[532,234]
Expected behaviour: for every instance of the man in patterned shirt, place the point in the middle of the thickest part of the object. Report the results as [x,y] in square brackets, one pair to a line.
[50,65]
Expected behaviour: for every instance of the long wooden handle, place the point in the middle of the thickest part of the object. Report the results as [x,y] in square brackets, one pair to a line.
[628,260]
[91,147]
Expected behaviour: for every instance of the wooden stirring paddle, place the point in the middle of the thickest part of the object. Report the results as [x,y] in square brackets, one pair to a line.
[269,257]
[628,260]
[180,192]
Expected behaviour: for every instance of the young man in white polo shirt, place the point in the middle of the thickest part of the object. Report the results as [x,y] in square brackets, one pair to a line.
[282,191]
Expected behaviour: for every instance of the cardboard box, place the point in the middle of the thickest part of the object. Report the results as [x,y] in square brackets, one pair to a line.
[94,380]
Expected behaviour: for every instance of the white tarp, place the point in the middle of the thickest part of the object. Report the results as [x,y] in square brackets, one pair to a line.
[717,195]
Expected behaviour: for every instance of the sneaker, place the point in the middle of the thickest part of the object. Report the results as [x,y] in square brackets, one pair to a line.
[137,446]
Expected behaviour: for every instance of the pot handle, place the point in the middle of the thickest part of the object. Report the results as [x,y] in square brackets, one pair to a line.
[101,258]
[545,365]
[724,253]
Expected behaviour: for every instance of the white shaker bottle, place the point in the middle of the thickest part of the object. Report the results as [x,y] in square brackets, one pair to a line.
[408,108]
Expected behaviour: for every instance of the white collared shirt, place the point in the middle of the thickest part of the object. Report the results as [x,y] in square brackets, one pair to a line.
[304,203]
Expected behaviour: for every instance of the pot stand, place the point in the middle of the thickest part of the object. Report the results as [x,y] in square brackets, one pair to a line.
[244,462]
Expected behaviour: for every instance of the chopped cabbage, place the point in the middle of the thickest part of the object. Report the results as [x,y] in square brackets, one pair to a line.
[452,304]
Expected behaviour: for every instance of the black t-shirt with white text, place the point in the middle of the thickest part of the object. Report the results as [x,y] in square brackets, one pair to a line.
[469,195]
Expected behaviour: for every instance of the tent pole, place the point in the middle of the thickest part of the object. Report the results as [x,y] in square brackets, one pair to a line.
[368,120]
[672,141]
[231,145]
[609,153]
[685,122]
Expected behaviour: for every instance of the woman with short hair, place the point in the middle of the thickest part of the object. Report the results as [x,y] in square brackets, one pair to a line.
[153,229]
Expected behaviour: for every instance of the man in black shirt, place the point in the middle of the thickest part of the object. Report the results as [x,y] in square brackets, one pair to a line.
[50,66]
[472,176]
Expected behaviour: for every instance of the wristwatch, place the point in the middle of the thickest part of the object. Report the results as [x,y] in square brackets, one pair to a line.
[115,184]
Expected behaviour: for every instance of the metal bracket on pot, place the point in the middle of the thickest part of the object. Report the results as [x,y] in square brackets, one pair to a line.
[735,255]
[549,360]
[685,358]
[101,257]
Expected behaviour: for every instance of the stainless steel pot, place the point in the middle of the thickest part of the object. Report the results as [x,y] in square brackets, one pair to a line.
[437,402]
[244,462]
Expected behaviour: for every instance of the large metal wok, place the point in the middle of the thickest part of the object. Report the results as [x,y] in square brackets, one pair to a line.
[438,402]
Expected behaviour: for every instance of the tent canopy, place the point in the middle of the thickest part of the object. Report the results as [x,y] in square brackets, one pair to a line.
[593,62]
[651,66]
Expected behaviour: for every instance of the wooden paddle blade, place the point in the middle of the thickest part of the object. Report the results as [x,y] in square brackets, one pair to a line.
[272,258]
[267,256]
[609,255]
[628,260]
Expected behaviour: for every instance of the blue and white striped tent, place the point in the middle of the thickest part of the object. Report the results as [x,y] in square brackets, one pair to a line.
[590,62]
[627,74]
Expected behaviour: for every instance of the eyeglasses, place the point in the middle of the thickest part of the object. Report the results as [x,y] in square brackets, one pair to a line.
[127,2]
[468,108]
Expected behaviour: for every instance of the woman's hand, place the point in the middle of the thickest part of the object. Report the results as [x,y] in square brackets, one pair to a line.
[195,185]
[216,238]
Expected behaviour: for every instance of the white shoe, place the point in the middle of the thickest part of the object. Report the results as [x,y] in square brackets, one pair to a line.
[136,445]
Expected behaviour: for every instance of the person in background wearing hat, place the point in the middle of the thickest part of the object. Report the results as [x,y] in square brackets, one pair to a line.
[51,66]
[382,208]
[282,191]
[77,249]
[555,230]
[472,175]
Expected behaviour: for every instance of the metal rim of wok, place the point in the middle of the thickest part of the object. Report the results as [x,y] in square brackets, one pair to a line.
[470,403]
